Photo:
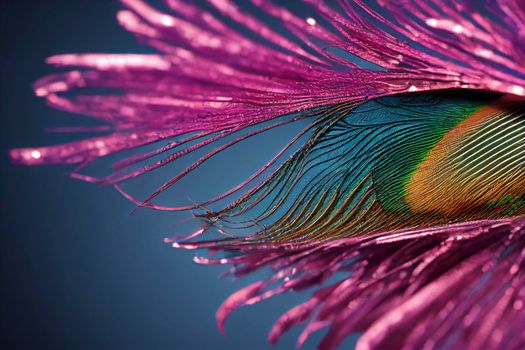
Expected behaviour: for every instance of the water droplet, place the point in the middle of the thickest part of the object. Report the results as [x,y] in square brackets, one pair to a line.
[35,155]
[311,21]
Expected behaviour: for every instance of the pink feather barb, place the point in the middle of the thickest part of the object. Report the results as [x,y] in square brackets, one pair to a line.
[460,286]
[449,287]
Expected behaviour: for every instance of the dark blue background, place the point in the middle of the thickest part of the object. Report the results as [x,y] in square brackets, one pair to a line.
[77,272]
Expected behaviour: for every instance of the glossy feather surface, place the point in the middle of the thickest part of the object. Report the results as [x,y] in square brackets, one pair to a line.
[410,196]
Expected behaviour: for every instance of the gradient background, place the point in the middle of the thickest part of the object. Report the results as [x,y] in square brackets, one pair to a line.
[77,272]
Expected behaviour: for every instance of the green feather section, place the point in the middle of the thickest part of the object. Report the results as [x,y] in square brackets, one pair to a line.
[350,177]
[431,116]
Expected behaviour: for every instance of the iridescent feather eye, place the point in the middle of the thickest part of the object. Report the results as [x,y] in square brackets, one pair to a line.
[406,190]
[403,161]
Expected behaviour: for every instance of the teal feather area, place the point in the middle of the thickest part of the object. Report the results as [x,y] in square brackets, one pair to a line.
[350,178]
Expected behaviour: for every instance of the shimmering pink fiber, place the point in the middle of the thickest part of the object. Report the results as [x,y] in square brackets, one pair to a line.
[453,287]
[460,286]
[207,77]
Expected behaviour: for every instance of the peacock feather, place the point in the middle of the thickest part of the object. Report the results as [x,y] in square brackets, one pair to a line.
[406,187]
[415,160]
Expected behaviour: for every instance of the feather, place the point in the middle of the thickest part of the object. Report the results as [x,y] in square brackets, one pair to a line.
[379,166]
[457,286]
[410,196]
